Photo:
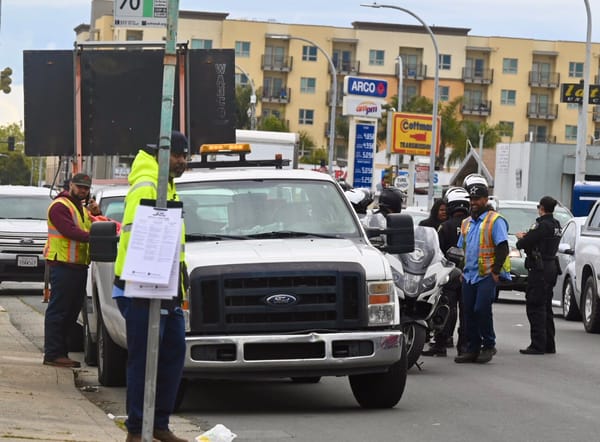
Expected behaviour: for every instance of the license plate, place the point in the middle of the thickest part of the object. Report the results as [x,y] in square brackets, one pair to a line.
[27,261]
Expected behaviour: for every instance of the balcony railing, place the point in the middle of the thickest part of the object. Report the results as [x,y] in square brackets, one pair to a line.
[339,98]
[276,63]
[544,79]
[477,76]
[274,95]
[542,111]
[477,108]
[347,67]
[540,138]
[414,71]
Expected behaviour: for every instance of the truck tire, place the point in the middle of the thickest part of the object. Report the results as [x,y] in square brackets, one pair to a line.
[381,390]
[112,359]
[569,305]
[414,340]
[591,309]
[90,349]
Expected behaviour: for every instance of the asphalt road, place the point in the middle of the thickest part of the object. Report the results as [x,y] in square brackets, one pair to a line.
[513,398]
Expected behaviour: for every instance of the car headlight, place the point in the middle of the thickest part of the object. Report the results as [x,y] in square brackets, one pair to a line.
[382,302]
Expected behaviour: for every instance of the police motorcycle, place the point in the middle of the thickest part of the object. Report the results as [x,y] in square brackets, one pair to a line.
[419,277]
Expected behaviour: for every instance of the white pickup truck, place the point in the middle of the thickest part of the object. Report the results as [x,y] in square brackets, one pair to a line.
[587,270]
[284,283]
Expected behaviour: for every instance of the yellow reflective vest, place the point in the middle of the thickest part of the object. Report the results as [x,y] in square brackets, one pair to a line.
[60,248]
[487,254]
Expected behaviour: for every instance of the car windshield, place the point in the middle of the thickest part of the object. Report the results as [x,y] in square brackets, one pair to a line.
[24,206]
[520,219]
[113,207]
[246,209]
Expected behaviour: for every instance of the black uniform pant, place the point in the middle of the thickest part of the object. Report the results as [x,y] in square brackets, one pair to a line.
[538,305]
[452,294]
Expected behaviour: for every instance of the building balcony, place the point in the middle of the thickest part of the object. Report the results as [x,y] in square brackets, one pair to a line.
[273,95]
[347,67]
[338,99]
[276,63]
[544,79]
[414,71]
[483,108]
[477,76]
[542,111]
[540,138]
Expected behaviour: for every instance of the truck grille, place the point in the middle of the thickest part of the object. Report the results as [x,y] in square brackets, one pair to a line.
[277,297]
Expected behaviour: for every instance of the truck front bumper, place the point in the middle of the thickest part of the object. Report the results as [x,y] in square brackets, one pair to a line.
[297,355]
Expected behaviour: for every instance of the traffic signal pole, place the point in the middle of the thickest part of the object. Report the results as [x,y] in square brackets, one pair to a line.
[166,124]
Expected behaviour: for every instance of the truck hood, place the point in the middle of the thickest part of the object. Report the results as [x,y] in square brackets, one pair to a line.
[36,227]
[265,251]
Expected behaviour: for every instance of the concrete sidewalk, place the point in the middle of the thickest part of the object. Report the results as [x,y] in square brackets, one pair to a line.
[41,403]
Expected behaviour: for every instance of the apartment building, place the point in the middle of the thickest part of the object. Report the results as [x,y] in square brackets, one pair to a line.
[502,80]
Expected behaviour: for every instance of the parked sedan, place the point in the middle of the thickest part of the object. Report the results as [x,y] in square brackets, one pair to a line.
[565,295]
[521,215]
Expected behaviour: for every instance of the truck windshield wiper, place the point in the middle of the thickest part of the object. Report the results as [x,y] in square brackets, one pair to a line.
[211,237]
[290,234]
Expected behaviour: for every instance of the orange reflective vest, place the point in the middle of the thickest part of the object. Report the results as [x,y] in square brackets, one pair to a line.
[487,254]
[60,248]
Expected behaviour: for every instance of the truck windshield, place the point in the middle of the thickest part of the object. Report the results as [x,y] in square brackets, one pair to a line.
[262,208]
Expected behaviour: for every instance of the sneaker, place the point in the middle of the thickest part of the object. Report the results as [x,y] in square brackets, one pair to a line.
[466,357]
[486,355]
[166,436]
[434,351]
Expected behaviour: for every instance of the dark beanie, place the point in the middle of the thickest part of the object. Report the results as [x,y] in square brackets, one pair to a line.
[179,143]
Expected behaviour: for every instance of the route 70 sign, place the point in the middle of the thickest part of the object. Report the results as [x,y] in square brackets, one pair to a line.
[141,13]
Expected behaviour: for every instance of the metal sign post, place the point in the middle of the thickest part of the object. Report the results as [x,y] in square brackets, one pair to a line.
[166,124]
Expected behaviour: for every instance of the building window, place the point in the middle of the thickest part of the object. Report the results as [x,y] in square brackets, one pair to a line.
[309,53]
[306,116]
[134,35]
[572,105]
[445,61]
[575,69]
[508,97]
[570,132]
[199,43]
[241,80]
[376,57]
[510,65]
[242,49]
[266,113]
[507,128]
[308,85]
[444,93]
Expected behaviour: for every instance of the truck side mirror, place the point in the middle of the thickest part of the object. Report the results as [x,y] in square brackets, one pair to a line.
[103,241]
[400,234]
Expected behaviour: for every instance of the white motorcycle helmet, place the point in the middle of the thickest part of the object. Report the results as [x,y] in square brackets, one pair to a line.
[457,199]
[360,199]
[473,179]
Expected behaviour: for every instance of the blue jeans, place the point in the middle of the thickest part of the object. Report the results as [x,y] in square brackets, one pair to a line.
[477,304]
[66,299]
[171,355]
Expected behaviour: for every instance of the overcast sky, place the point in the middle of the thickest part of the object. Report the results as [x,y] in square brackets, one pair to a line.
[48,24]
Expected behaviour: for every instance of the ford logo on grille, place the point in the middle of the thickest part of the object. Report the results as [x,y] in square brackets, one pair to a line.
[282,299]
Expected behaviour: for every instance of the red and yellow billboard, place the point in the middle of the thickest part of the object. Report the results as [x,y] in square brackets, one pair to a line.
[411,134]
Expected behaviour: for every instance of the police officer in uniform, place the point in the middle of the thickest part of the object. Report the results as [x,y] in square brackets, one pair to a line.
[458,207]
[541,243]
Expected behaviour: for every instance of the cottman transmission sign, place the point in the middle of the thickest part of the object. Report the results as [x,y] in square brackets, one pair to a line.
[141,13]
[411,134]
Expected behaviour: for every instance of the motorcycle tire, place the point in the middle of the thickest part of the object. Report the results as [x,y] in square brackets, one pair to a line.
[415,336]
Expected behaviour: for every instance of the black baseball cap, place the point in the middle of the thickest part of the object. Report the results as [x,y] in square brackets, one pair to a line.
[82,179]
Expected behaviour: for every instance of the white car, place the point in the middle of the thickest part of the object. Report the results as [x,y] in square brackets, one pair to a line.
[23,232]
[565,295]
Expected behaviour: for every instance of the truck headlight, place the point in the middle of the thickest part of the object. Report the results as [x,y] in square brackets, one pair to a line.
[381,303]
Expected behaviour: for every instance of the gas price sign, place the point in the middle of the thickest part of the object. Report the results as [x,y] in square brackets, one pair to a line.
[363,155]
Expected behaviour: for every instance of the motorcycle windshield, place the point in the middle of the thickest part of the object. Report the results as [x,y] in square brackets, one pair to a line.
[427,251]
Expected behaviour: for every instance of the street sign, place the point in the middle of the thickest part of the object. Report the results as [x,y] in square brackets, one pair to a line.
[401,181]
[369,87]
[141,13]
[411,134]
[573,93]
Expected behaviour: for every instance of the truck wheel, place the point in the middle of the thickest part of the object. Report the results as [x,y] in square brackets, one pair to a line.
[414,341]
[90,349]
[381,390]
[112,359]
[591,309]
[569,305]
[306,380]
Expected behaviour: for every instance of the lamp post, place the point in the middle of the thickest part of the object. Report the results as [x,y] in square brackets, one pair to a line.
[333,92]
[252,98]
[581,151]
[435,95]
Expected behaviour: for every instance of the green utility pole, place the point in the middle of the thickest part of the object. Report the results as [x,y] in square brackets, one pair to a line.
[166,124]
